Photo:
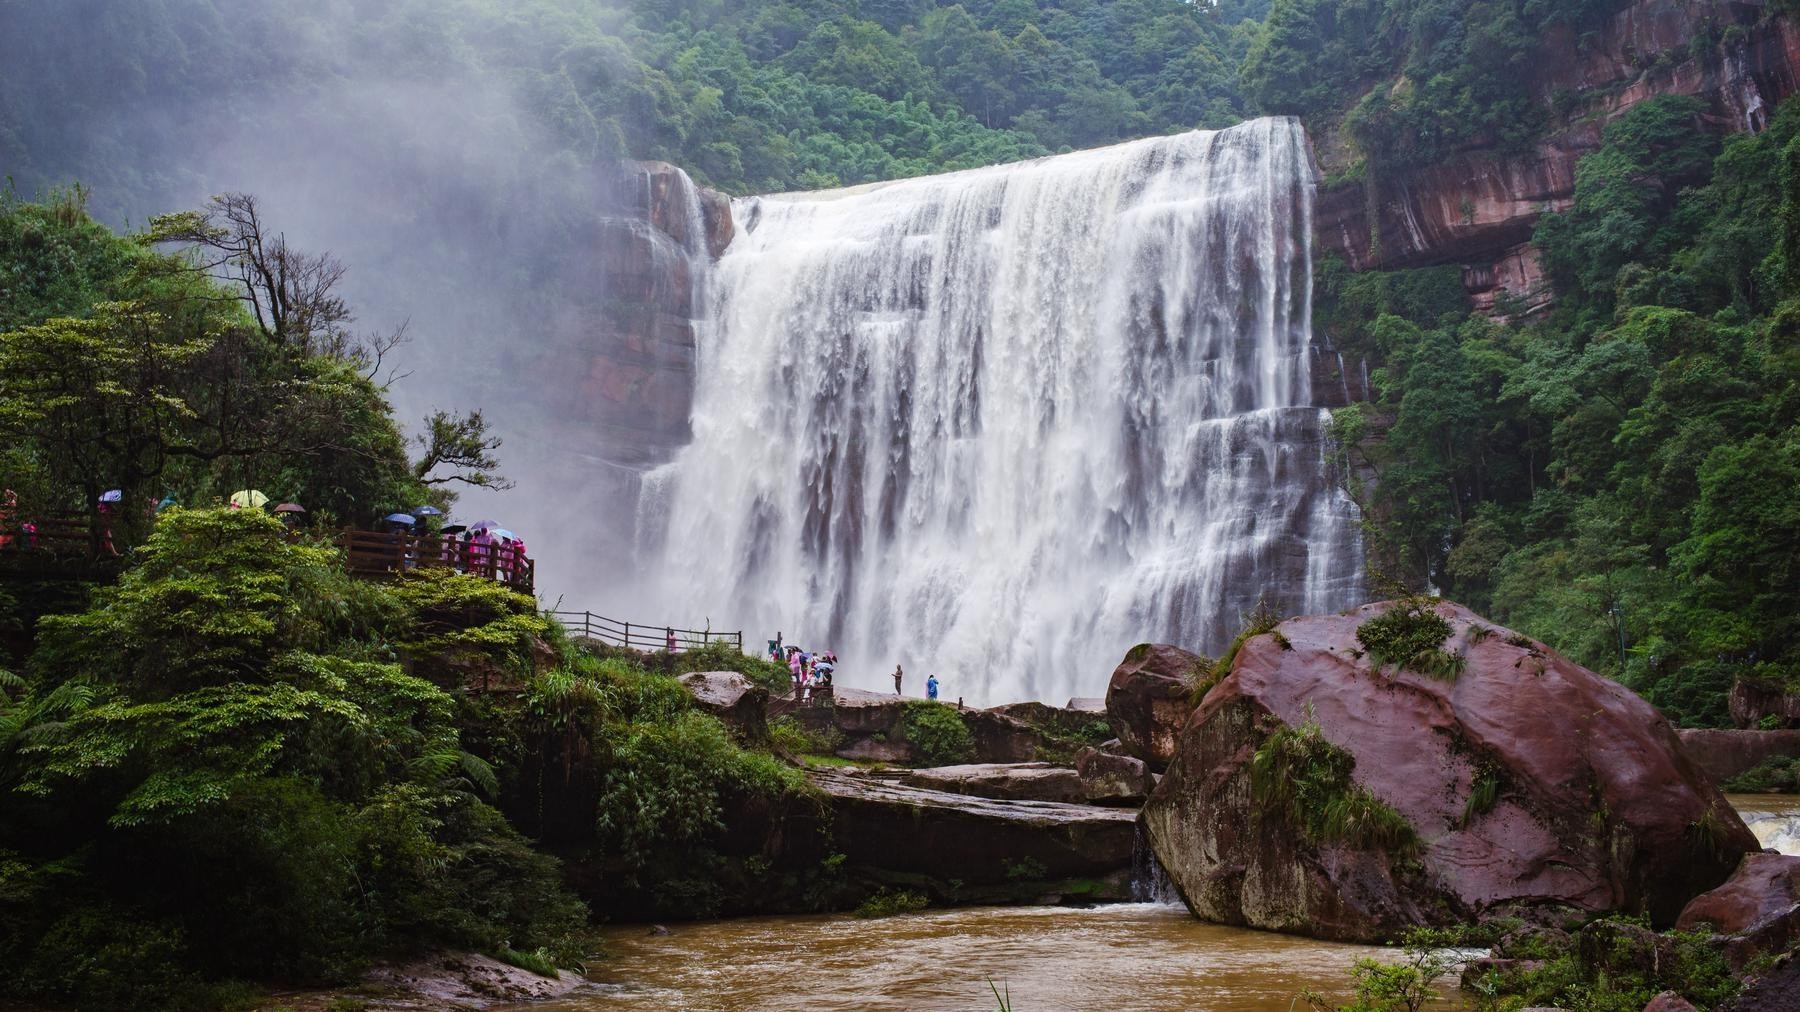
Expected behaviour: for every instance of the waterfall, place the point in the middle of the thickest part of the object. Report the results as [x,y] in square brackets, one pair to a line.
[999,425]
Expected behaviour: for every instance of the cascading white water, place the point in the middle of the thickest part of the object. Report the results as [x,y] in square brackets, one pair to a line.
[1000,425]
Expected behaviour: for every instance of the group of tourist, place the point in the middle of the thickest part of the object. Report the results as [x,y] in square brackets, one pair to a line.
[483,548]
[811,670]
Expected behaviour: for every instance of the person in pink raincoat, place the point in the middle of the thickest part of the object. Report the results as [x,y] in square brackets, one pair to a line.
[481,549]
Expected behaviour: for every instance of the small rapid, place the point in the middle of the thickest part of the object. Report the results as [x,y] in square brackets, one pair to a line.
[1774,818]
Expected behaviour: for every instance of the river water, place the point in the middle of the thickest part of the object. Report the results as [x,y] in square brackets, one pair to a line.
[1139,955]
[1129,956]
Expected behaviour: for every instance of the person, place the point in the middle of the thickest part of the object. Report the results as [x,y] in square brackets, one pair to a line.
[822,669]
[669,632]
[481,553]
[9,509]
[931,687]
[775,650]
[106,512]
[794,668]
[896,679]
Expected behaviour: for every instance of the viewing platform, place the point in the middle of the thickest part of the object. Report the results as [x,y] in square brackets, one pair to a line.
[378,555]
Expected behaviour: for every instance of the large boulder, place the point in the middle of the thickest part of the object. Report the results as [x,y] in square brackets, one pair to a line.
[1112,779]
[1005,781]
[1149,699]
[1515,782]
[733,698]
[998,738]
[1758,909]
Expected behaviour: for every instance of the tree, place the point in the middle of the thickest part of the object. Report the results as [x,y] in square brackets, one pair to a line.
[292,295]
[461,444]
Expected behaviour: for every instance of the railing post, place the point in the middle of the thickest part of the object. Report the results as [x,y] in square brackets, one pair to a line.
[627,643]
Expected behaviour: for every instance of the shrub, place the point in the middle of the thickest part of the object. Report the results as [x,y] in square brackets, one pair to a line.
[788,734]
[1208,672]
[1300,774]
[1778,775]
[887,903]
[1410,635]
[937,733]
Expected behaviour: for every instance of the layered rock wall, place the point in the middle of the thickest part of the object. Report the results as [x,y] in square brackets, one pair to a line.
[616,372]
[1479,207]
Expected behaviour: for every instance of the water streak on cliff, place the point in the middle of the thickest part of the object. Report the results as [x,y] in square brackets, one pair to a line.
[1002,424]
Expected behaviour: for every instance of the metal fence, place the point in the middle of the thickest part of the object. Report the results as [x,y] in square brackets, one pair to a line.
[640,635]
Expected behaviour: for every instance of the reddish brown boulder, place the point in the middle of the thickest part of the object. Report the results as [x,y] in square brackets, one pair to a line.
[1669,1001]
[1758,908]
[1525,786]
[1149,699]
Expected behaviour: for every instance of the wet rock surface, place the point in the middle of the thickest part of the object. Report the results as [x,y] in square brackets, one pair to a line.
[1005,781]
[1148,700]
[1587,803]
[1758,908]
[467,980]
[1112,779]
[882,822]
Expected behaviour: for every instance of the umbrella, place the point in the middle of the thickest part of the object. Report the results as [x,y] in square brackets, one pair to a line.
[249,498]
[501,532]
[399,518]
[112,496]
[290,507]
[484,525]
[453,529]
[427,511]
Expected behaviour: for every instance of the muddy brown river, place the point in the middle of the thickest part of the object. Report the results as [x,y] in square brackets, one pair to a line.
[1131,956]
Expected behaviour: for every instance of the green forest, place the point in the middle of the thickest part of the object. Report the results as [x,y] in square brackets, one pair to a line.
[1620,477]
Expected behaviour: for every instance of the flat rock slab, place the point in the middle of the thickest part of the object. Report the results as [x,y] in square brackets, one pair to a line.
[1006,781]
[467,980]
[883,823]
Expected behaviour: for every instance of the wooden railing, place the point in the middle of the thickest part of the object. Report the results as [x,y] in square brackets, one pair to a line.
[377,555]
[640,635]
[65,536]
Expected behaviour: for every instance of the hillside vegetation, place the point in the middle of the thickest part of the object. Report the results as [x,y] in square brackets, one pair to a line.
[1620,476]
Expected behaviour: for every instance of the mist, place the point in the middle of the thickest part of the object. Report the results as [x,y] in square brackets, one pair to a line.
[459,189]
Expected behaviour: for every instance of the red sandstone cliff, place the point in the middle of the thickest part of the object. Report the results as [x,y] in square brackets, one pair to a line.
[615,372]
[1479,207]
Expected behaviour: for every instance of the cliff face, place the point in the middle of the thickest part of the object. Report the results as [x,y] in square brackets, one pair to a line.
[598,384]
[1479,207]
[618,379]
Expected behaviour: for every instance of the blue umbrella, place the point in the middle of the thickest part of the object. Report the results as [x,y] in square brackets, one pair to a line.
[427,511]
[501,532]
[400,518]
[113,496]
